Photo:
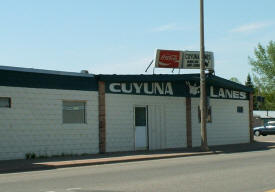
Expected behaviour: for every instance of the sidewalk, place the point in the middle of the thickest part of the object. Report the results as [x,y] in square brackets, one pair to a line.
[97,159]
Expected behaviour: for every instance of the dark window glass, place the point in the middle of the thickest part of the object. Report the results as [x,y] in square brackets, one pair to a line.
[74,112]
[5,102]
[240,109]
[140,116]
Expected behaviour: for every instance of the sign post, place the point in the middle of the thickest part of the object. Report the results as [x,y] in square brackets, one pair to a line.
[204,145]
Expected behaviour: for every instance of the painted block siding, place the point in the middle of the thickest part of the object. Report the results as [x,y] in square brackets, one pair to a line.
[227,127]
[33,124]
[166,121]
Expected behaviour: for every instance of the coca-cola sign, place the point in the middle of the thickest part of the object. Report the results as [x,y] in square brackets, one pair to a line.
[168,59]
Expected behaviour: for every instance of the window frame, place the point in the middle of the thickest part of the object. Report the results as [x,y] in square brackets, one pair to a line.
[85,113]
[9,100]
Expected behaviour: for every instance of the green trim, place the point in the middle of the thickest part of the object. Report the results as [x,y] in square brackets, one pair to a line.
[32,78]
[47,81]
[210,80]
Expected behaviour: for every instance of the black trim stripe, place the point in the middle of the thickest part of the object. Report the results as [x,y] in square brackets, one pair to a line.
[48,81]
[76,81]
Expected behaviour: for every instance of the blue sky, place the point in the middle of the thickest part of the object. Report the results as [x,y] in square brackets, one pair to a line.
[121,36]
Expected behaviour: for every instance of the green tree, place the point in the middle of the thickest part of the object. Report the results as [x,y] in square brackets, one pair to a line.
[248,82]
[257,100]
[263,67]
[235,79]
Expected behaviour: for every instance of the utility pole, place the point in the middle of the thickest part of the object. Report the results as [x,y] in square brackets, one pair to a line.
[204,145]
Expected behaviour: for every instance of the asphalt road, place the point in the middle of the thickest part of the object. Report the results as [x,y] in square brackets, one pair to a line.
[247,171]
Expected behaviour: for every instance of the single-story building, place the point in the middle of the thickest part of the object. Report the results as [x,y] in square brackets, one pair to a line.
[262,117]
[54,113]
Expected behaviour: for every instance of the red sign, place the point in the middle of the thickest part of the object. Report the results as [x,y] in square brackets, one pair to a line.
[168,59]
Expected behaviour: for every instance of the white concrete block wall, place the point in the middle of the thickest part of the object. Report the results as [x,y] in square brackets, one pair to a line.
[227,126]
[33,124]
[169,111]
[176,124]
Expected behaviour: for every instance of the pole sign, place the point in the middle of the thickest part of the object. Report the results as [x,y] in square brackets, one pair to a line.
[168,59]
[183,59]
[191,60]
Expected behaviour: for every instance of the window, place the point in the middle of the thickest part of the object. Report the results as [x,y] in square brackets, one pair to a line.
[74,112]
[5,102]
[208,113]
[240,109]
[140,116]
[271,123]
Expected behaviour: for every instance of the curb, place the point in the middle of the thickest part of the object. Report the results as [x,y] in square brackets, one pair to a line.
[109,160]
[49,164]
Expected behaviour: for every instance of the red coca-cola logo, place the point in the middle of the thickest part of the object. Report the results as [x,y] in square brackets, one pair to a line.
[169,59]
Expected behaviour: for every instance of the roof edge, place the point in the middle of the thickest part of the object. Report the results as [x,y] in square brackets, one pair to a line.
[43,71]
[232,83]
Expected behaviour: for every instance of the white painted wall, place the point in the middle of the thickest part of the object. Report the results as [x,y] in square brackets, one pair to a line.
[167,124]
[33,124]
[227,127]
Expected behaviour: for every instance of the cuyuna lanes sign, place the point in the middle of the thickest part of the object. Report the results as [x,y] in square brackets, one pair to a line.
[180,89]
[191,60]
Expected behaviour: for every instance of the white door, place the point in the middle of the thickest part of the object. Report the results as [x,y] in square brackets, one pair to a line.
[141,139]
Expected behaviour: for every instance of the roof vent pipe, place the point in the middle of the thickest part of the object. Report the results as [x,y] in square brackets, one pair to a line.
[84,71]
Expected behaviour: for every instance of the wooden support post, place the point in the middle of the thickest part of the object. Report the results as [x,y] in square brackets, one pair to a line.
[188,122]
[251,118]
[102,117]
